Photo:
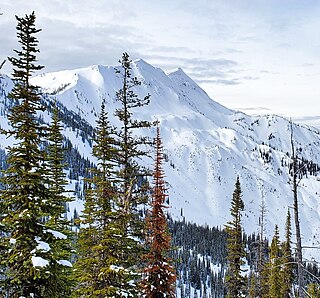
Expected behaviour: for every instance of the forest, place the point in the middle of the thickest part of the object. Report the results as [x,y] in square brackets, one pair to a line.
[124,243]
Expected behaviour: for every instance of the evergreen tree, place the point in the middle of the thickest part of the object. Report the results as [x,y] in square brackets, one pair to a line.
[263,274]
[132,188]
[287,275]
[275,283]
[159,275]
[314,290]
[130,145]
[264,281]
[58,227]
[25,201]
[236,253]
[253,286]
[100,267]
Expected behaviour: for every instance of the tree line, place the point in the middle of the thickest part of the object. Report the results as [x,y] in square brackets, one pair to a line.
[117,253]
[119,249]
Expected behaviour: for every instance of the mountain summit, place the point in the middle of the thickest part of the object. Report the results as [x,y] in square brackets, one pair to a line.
[206,146]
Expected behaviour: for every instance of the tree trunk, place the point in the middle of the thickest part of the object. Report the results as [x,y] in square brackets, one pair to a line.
[296,219]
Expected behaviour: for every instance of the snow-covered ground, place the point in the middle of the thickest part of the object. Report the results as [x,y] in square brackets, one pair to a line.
[207,146]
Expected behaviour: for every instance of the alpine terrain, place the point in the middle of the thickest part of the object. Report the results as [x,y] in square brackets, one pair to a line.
[206,145]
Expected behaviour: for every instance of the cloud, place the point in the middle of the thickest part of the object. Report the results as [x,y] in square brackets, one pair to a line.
[230,82]
[197,68]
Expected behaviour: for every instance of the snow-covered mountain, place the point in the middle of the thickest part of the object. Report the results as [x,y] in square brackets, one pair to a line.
[207,145]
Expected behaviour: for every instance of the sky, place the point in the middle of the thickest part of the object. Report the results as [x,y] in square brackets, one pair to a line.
[245,54]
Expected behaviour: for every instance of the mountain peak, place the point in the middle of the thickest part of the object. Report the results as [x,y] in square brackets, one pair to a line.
[207,145]
[178,72]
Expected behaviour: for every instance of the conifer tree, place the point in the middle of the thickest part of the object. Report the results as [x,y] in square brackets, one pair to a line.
[263,274]
[275,283]
[158,275]
[235,246]
[132,188]
[26,258]
[100,267]
[264,287]
[287,275]
[58,227]
[130,144]
[314,290]
[253,286]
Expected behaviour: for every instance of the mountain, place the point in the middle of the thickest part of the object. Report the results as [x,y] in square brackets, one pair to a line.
[206,145]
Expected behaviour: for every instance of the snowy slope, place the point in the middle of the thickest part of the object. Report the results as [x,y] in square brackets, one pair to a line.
[207,146]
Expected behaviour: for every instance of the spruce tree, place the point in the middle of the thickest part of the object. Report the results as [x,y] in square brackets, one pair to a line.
[132,188]
[287,275]
[25,255]
[100,266]
[58,227]
[35,251]
[263,274]
[313,290]
[235,246]
[158,275]
[275,283]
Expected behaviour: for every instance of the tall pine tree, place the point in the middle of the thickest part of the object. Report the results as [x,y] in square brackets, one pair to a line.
[132,188]
[235,246]
[287,275]
[58,227]
[100,266]
[27,257]
[275,266]
[159,275]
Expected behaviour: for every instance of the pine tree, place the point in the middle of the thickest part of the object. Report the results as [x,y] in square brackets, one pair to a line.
[236,253]
[287,275]
[253,286]
[58,227]
[130,145]
[263,274]
[100,267]
[275,283]
[314,290]
[264,281]
[132,188]
[159,275]
[25,255]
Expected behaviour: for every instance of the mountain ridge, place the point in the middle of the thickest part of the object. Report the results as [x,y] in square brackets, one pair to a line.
[207,145]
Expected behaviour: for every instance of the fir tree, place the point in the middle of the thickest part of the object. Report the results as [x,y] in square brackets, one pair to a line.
[100,267]
[263,274]
[236,253]
[159,275]
[132,188]
[26,258]
[314,290]
[264,287]
[58,227]
[275,283]
[252,286]
[287,275]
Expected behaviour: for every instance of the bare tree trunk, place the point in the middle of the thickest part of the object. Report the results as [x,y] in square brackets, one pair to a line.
[296,218]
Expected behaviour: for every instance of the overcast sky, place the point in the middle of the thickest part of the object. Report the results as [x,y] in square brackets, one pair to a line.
[244,53]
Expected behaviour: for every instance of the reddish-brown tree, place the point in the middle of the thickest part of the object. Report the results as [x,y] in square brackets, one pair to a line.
[159,275]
